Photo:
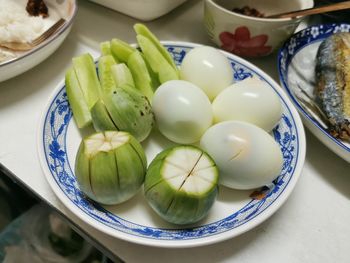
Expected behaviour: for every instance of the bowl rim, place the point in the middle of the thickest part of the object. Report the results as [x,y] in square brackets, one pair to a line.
[46,42]
[337,143]
[257,19]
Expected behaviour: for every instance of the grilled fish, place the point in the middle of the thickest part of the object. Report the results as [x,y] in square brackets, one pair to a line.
[333,83]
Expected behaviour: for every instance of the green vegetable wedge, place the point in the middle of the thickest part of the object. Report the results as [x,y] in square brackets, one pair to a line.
[122,75]
[77,102]
[141,76]
[105,48]
[130,111]
[142,30]
[101,119]
[105,64]
[121,50]
[156,60]
[85,71]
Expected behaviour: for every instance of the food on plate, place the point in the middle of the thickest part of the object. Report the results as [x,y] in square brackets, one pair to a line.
[105,73]
[105,48]
[182,110]
[83,88]
[127,109]
[333,83]
[37,8]
[181,184]
[85,70]
[109,100]
[142,74]
[207,68]
[246,155]
[248,11]
[250,100]
[16,25]
[77,102]
[135,88]
[150,67]
[142,30]
[110,166]
[122,75]
[155,54]
[121,50]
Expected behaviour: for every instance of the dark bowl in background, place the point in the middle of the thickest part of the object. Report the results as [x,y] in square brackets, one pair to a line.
[337,16]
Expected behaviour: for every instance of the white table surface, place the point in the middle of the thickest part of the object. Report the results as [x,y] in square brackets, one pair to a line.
[312,226]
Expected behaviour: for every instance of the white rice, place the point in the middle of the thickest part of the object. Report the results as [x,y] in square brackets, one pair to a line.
[15,23]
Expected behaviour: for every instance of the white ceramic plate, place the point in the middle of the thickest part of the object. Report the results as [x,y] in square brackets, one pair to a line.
[296,63]
[26,60]
[234,212]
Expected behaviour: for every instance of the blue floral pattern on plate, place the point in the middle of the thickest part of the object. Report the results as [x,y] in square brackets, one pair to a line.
[55,149]
[291,47]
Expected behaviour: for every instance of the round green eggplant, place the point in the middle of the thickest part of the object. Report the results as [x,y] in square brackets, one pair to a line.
[110,166]
[181,184]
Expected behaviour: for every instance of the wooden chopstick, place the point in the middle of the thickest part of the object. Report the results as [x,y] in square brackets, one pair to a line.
[313,10]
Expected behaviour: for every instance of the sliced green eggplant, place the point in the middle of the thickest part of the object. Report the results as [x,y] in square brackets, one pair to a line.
[105,64]
[181,184]
[108,168]
[85,71]
[141,76]
[101,119]
[130,111]
[122,75]
[105,48]
[156,60]
[121,50]
[142,30]
[77,102]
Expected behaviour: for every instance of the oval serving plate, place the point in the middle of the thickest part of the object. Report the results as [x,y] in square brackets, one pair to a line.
[296,65]
[234,212]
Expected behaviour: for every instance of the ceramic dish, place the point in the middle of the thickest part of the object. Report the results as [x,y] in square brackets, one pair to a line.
[234,213]
[26,60]
[140,9]
[249,36]
[296,63]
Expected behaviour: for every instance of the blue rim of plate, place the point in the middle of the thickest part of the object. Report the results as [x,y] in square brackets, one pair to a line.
[291,47]
[53,139]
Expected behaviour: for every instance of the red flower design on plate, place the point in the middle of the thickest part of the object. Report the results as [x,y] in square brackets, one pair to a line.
[242,44]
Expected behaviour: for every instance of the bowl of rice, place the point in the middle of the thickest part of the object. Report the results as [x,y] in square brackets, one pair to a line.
[22,21]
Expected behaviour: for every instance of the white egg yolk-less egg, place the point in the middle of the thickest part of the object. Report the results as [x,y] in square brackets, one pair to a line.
[183,112]
[246,155]
[250,100]
[207,68]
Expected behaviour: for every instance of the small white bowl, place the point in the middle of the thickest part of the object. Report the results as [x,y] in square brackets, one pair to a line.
[249,36]
[26,60]
[144,10]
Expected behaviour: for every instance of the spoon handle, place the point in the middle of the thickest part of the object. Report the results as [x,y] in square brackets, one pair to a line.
[313,10]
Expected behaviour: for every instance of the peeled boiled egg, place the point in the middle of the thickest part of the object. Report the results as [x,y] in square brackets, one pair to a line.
[207,68]
[182,110]
[246,155]
[250,100]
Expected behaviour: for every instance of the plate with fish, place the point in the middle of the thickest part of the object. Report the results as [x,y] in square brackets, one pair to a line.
[22,23]
[313,66]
